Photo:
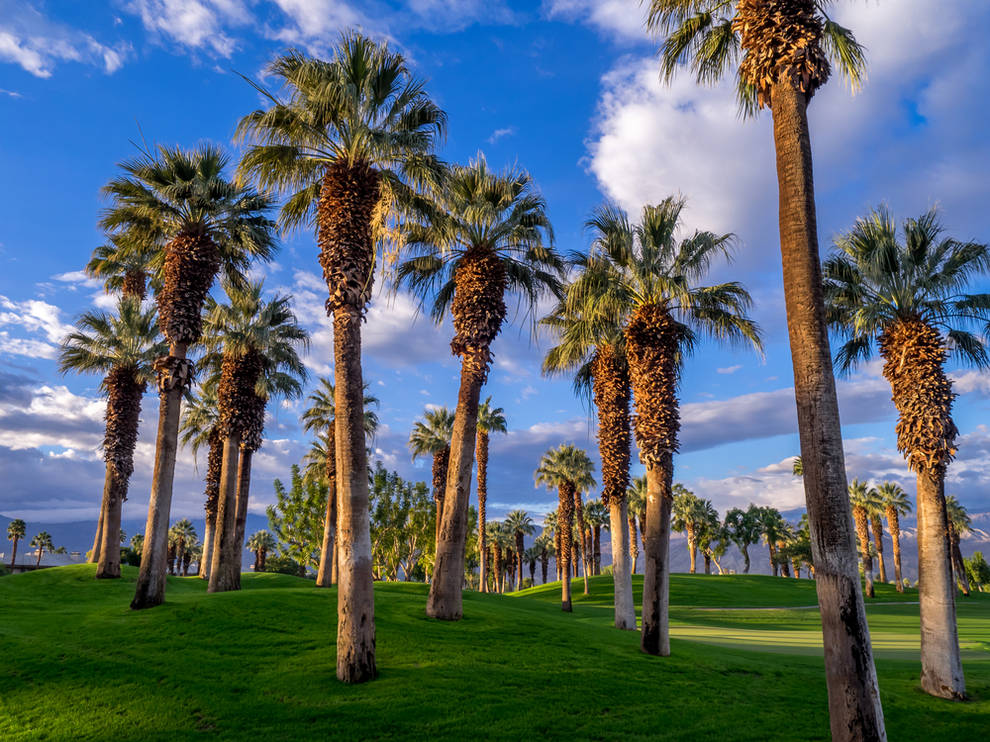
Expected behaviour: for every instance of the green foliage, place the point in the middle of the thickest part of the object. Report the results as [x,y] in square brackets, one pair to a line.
[285,565]
[402,525]
[566,463]
[978,570]
[297,518]
[744,527]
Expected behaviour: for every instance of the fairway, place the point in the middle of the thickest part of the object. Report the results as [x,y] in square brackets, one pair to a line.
[259,664]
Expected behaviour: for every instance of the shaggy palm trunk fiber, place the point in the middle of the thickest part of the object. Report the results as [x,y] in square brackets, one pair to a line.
[325,575]
[583,543]
[876,526]
[610,387]
[214,471]
[441,462]
[652,342]
[558,558]
[784,63]
[478,310]
[191,263]
[349,195]
[565,519]
[520,550]
[544,564]
[894,524]
[124,394]
[482,455]
[914,357]
[633,545]
[863,534]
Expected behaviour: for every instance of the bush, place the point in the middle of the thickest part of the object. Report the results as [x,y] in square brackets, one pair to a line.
[284,565]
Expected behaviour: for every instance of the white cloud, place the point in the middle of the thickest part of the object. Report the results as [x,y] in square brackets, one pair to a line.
[624,18]
[501,133]
[34,316]
[729,369]
[197,24]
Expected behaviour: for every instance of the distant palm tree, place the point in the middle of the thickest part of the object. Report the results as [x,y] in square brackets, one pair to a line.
[253,348]
[432,436]
[773,528]
[137,543]
[490,420]
[876,527]
[320,418]
[199,223]
[183,535]
[487,236]
[550,526]
[649,277]
[123,347]
[499,539]
[781,51]
[636,498]
[688,513]
[569,470]
[125,265]
[356,134]
[16,530]
[959,525]
[41,542]
[596,515]
[907,297]
[519,524]
[864,501]
[744,528]
[895,503]
[544,550]
[200,427]
[260,544]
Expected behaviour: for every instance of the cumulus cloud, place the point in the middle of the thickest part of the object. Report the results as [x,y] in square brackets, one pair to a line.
[35,317]
[197,24]
[501,133]
[623,18]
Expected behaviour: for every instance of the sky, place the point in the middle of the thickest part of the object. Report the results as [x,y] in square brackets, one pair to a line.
[567,89]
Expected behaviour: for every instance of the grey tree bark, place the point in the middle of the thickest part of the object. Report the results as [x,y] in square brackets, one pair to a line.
[625,609]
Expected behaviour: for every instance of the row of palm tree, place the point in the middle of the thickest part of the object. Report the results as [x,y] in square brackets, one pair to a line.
[41,541]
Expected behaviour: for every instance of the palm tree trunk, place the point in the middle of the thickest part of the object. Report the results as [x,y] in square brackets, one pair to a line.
[355,595]
[565,519]
[597,548]
[633,547]
[622,563]
[108,567]
[692,548]
[13,556]
[243,495]
[324,575]
[225,566]
[544,563]
[708,562]
[583,543]
[207,556]
[854,699]
[941,666]
[656,556]
[94,555]
[520,544]
[774,567]
[745,553]
[444,601]
[441,463]
[876,525]
[174,377]
[482,456]
[863,532]
[893,523]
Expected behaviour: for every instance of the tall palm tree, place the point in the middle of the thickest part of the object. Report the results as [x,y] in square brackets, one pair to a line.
[569,470]
[432,436]
[907,298]
[200,427]
[347,145]
[864,501]
[499,539]
[519,525]
[199,223]
[16,530]
[649,277]
[787,48]
[636,498]
[959,525]
[253,348]
[743,527]
[593,347]
[41,542]
[876,528]
[490,420]
[688,513]
[320,418]
[123,347]
[895,503]
[260,544]
[486,236]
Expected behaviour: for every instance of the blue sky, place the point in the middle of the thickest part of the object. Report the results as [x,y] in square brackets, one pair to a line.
[565,88]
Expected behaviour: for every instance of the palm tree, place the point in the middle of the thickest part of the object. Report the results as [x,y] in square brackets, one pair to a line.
[16,530]
[137,543]
[864,501]
[713,541]
[519,524]
[876,527]
[200,427]
[907,298]
[636,498]
[199,223]
[544,550]
[253,349]
[786,48]
[648,277]
[498,538]
[569,469]
[959,525]
[432,436]
[184,536]
[688,513]
[797,468]
[260,543]
[320,418]
[596,516]
[486,236]
[594,348]
[895,503]
[41,542]
[550,526]
[744,529]
[773,528]
[123,347]
[345,146]
[490,420]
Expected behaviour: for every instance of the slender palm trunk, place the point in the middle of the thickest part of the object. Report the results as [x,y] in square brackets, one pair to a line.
[583,543]
[355,596]
[957,562]
[16,540]
[108,566]
[558,555]
[544,563]
[174,377]
[41,551]
[774,567]
[597,548]
[207,556]
[444,601]
[243,496]
[622,563]
[656,556]
[854,698]
[863,532]
[565,519]
[441,463]
[894,524]
[692,548]
[633,548]
[941,666]
[876,525]
[482,455]
[94,555]
[225,566]
[325,575]
[520,544]
[745,552]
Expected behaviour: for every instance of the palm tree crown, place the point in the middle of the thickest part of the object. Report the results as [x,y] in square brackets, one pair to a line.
[431,435]
[566,464]
[491,419]
[890,495]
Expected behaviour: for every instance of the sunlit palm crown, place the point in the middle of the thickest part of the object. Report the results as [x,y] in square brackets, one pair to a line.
[958,517]
[262,541]
[199,417]
[876,280]
[432,434]
[636,495]
[363,107]
[519,521]
[891,495]
[126,264]
[862,495]
[566,464]
[491,419]
[321,412]
[765,41]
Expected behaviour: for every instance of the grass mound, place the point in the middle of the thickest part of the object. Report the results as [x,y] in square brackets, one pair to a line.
[259,664]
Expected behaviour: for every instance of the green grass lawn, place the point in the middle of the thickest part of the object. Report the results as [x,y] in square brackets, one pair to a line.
[259,664]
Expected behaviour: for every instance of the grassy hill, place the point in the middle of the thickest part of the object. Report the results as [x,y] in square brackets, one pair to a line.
[259,664]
